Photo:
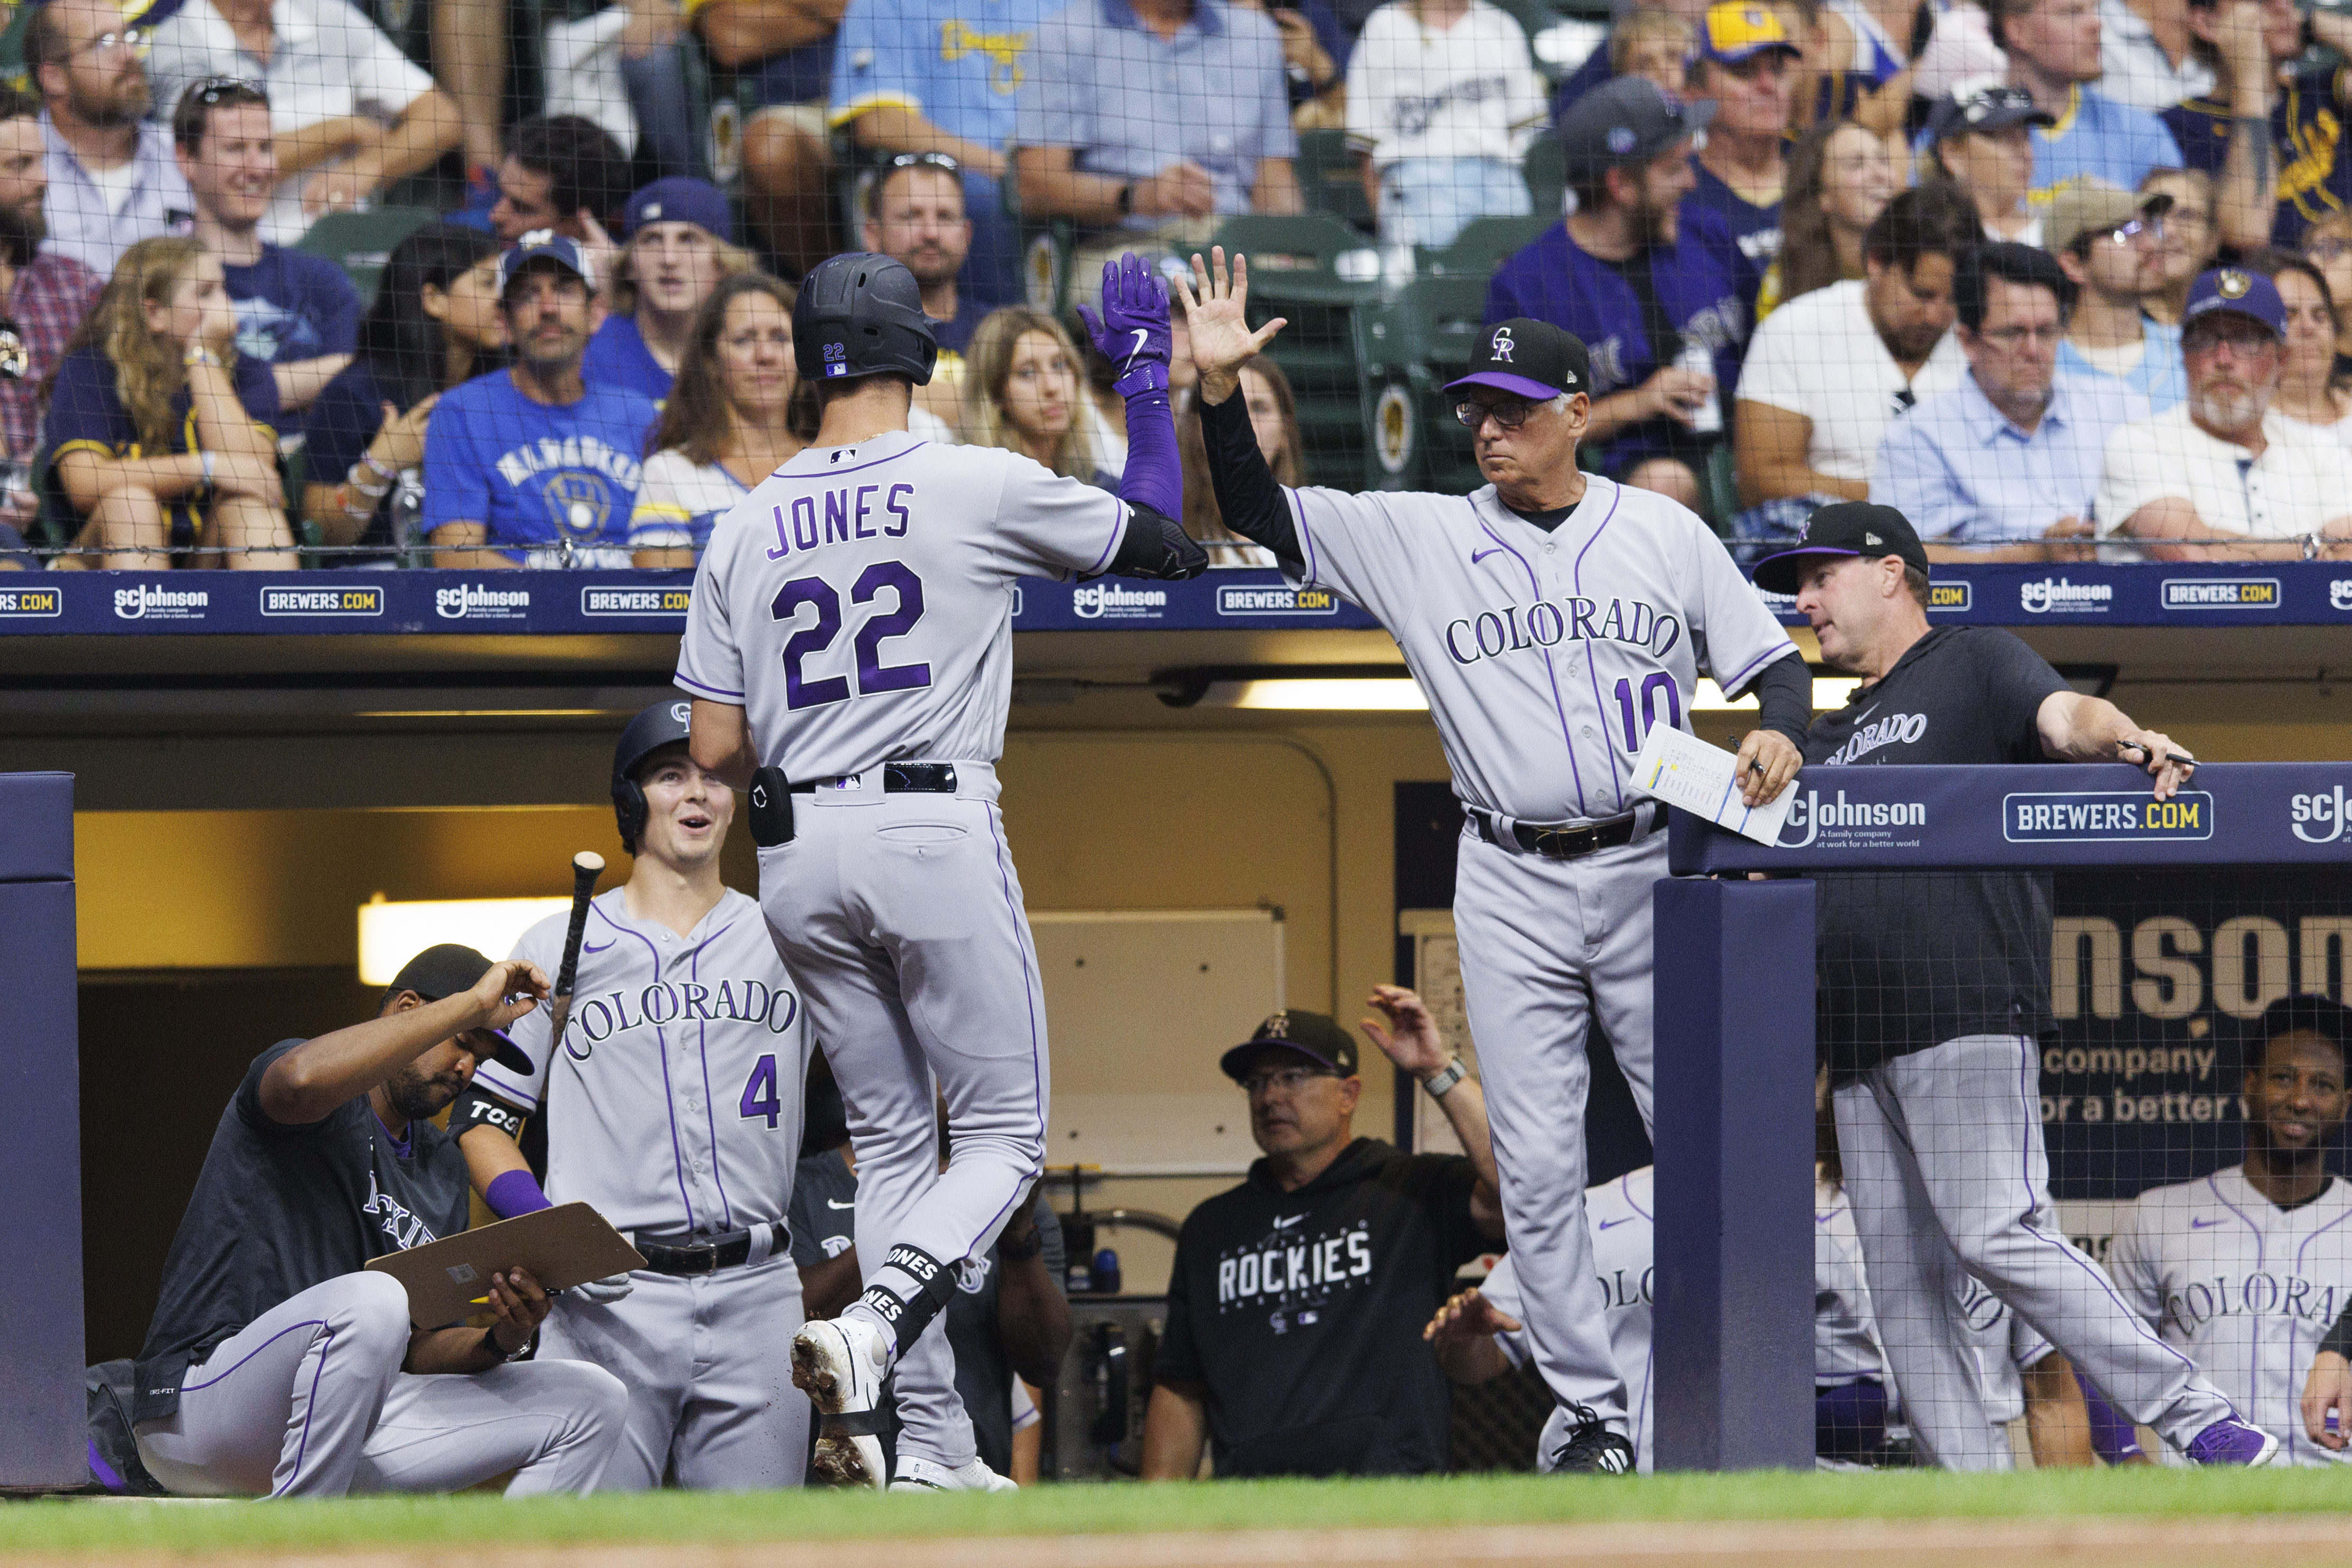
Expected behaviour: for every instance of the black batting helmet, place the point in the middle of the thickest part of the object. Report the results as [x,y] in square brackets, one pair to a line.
[662,724]
[862,314]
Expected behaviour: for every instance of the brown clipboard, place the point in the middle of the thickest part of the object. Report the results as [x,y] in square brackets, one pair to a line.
[448,1282]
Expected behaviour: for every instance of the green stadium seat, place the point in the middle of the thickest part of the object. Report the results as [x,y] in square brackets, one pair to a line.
[362,243]
[1319,274]
[1485,244]
[1408,347]
[1328,176]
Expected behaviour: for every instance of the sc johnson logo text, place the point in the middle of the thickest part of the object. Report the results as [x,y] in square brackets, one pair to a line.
[2222,593]
[475,601]
[2057,597]
[635,601]
[2319,818]
[31,604]
[364,600]
[2086,814]
[1851,825]
[2339,594]
[153,603]
[1276,601]
[1099,600]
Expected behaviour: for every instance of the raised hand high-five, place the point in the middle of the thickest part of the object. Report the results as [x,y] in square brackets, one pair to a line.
[1215,317]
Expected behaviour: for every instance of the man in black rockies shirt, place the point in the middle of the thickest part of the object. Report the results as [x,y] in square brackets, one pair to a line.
[1934,987]
[1295,1304]
[276,1366]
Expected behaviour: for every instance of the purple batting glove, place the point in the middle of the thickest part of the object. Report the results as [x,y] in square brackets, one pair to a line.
[1132,332]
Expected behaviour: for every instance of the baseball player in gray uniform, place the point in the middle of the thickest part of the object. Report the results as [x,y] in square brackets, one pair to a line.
[849,653]
[1552,618]
[672,1105]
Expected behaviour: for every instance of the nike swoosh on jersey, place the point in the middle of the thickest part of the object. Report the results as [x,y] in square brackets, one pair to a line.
[1478,555]
[599,947]
[1287,1224]
[837,1203]
[2195,1224]
[1613,1224]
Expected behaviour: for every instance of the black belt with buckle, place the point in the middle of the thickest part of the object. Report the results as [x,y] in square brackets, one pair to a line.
[904,778]
[1555,843]
[708,1254]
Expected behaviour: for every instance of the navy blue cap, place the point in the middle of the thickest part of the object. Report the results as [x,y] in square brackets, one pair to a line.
[2239,292]
[1985,108]
[545,244]
[680,200]
[1628,120]
[1315,1036]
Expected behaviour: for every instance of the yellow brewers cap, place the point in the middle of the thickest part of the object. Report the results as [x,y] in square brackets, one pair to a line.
[1739,30]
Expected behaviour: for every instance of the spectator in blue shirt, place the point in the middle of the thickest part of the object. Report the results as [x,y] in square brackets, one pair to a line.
[1153,118]
[531,467]
[944,75]
[157,436]
[679,246]
[2053,55]
[1744,63]
[296,313]
[2108,242]
[1652,301]
[2005,467]
[2268,195]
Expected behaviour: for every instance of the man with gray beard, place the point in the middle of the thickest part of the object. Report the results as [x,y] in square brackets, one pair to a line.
[2221,478]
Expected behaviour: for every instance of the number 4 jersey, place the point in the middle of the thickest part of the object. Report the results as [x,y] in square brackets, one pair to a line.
[673,1101]
[858,604]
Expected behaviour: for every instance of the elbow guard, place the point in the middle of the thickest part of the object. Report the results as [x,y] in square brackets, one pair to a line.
[1156,545]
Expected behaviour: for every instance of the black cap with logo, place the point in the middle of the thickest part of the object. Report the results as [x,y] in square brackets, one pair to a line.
[446,970]
[1312,1035]
[1844,528]
[1534,358]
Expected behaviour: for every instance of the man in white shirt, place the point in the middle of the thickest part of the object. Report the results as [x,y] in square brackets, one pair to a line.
[2221,478]
[351,113]
[1442,100]
[2244,1270]
[1828,370]
[2147,56]
[111,179]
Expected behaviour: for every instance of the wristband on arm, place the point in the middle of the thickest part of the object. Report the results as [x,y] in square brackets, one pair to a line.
[512,1194]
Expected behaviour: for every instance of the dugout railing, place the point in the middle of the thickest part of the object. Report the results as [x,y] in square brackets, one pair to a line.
[1735,1028]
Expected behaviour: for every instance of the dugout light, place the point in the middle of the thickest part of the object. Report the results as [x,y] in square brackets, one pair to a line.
[390,934]
[1326,692]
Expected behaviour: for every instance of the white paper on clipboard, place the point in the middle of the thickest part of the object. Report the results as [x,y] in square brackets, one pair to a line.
[1685,770]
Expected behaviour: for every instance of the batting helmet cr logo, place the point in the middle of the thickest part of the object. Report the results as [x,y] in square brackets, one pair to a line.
[662,724]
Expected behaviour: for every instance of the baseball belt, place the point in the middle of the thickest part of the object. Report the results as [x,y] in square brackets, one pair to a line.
[690,1254]
[771,794]
[1555,843]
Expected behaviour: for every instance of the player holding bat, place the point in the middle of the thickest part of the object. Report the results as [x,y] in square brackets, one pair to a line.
[671,1096]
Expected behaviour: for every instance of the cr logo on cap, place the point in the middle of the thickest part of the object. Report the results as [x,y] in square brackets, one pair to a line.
[680,713]
[1502,344]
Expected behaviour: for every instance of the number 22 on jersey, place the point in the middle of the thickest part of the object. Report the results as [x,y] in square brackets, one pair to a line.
[883,579]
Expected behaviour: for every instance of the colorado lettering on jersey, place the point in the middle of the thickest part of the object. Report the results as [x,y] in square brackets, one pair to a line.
[842,514]
[395,1218]
[1282,1269]
[2260,1294]
[1490,634]
[1905,727]
[599,1018]
[1624,1289]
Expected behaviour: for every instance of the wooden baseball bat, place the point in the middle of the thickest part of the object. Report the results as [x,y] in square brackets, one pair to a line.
[586,867]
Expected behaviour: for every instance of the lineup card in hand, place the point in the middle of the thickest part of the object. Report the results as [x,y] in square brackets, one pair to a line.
[1685,770]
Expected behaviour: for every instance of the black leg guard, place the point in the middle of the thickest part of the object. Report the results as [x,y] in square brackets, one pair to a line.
[908,1316]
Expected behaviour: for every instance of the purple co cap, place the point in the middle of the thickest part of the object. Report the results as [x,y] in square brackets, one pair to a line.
[1842,528]
[1533,358]
[2239,292]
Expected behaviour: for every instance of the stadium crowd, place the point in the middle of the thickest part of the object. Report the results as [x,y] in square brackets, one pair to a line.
[2056,277]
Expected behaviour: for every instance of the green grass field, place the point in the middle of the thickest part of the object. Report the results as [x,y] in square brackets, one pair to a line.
[476,1520]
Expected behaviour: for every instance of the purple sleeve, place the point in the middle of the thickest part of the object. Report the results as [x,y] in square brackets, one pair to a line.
[2112,1433]
[514,1193]
[1154,477]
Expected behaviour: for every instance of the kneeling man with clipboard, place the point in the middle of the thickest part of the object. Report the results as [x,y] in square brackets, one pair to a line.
[277,1364]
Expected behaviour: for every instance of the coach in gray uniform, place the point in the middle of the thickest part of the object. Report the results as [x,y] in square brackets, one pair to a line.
[1933,988]
[673,1105]
[277,1366]
[1553,618]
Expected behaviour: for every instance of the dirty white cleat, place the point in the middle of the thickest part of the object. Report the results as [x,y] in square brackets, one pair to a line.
[840,1364]
[917,1474]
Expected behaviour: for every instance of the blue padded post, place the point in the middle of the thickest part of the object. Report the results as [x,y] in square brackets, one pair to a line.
[1734,971]
[42,1429]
